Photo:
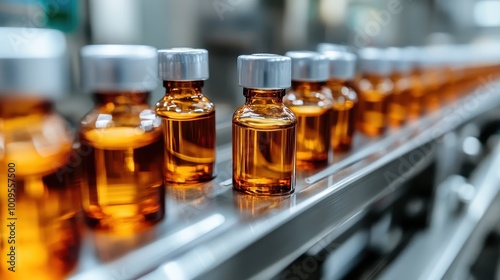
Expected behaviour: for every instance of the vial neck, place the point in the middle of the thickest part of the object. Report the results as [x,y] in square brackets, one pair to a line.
[183,89]
[398,75]
[374,77]
[14,106]
[263,96]
[303,86]
[121,98]
[336,82]
[417,71]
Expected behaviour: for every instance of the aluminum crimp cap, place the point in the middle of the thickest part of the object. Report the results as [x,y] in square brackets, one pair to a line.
[264,71]
[430,57]
[328,47]
[183,64]
[308,66]
[374,61]
[400,61]
[342,64]
[118,68]
[33,61]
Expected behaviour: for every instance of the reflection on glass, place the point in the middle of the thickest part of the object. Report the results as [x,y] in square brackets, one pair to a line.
[251,206]
[187,193]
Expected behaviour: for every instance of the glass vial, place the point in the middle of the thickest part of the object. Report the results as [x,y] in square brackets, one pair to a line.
[374,88]
[415,107]
[311,103]
[264,129]
[432,77]
[188,116]
[432,98]
[38,202]
[399,100]
[458,68]
[330,47]
[121,139]
[342,71]
[450,73]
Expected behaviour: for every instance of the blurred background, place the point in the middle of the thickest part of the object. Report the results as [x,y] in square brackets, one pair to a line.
[228,28]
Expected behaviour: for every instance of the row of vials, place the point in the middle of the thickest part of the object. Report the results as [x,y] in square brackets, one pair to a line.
[298,108]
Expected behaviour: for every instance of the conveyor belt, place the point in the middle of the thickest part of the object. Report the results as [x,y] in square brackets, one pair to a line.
[211,232]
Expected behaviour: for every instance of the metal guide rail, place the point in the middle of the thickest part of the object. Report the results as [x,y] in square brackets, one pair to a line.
[212,232]
[449,247]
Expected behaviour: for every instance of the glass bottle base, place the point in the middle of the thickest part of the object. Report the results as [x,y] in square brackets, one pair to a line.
[264,187]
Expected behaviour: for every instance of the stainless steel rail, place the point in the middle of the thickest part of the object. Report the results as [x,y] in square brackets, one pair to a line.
[447,250]
[212,232]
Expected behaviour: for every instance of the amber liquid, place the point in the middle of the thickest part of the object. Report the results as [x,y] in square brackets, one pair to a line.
[372,108]
[416,97]
[450,90]
[313,135]
[46,234]
[46,242]
[189,147]
[343,126]
[432,101]
[459,84]
[264,156]
[123,169]
[343,116]
[398,101]
[432,79]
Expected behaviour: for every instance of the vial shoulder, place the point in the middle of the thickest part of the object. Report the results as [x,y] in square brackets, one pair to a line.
[344,93]
[382,86]
[140,116]
[48,125]
[264,116]
[111,129]
[322,99]
[193,107]
[113,138]
[402,85]
[37,144]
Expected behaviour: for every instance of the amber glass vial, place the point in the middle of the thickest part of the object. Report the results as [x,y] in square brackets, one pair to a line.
[450,65]
[311,103]
[450,90]
[399,100]
[458,70]
[121,139]
[324,48]
[416,103]
[342,70]
[432,77]
[188,116]
[415,107]
[40,235]
[432,82]
[264,129]
[374,89]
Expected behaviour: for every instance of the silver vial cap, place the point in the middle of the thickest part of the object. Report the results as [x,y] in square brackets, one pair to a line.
[399,59]
[434,57]
[327,47]
[183,64]
[308,66]
[33,61]
[264,71]
[342,65]
[427,58]
[118,68]
[374,61]
[412,54]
